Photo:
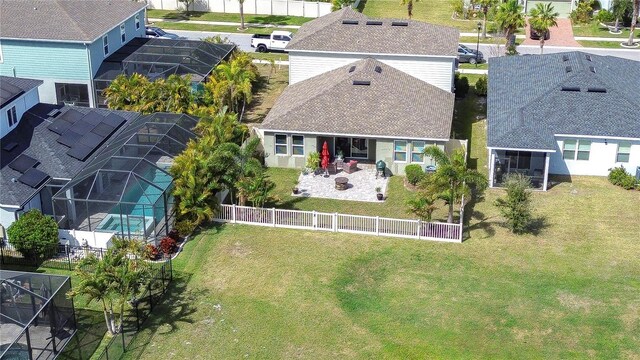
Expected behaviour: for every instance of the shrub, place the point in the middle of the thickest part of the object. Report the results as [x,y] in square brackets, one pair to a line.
[516,206]
[151,252]
[462,85]
[34,235]
[339,4]
[414,173]
[605,16]
[175,235]
[168,245]
[583,13]
[620,177]
[458,7]
[481,86]
[313,161]
[185,227]
[511,51]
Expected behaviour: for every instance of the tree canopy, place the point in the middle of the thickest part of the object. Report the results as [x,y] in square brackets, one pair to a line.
[34,235]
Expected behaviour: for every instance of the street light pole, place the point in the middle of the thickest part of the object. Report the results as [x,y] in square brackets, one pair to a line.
[478,43]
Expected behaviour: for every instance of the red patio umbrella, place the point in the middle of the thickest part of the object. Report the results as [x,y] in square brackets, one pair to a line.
[324,160]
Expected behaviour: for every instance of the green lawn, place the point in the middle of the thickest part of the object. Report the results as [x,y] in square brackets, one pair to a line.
[481,66]
[604,44]
[273,81]
[169,25]
[210,16]
[595,30]
[276,56]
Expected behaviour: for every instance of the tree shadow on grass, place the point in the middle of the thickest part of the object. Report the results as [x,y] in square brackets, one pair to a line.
[538,224]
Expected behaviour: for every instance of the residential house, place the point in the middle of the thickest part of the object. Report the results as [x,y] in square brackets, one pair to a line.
[425,51]
[16,97]
[562,7]
[366,111]
[566,113]
[64,42]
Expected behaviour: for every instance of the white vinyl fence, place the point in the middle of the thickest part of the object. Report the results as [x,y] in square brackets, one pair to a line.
[311,9]
[357,224]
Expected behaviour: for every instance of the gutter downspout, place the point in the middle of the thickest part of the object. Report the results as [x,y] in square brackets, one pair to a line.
[94,96]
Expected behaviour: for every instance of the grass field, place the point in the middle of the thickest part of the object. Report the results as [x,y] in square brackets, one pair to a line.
[210,16]
[273,81]
[169,25]
[605,44]
[595,30]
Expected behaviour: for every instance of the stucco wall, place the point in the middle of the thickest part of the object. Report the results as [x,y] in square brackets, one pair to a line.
[287,161]
[22,104]
[602,157]
[7,216]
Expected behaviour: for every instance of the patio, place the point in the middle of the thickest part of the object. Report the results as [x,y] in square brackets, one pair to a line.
[361,186]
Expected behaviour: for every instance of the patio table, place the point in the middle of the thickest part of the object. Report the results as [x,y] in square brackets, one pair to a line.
[341,183]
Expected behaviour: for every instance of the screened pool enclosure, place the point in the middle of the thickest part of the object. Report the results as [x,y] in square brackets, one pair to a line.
[126,188]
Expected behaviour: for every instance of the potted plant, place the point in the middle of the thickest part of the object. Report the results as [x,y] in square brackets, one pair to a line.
[295,187]
[313,162]
[340,155]
[379,193]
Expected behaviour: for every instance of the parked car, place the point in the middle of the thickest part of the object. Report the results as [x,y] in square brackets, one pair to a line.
[534,35]
[156,32]
[466,55]
[277,41]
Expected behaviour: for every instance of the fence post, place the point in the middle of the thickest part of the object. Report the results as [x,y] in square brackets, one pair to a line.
[315,220]
[150,298]
[233,214]
[377,225]
[419,229]
[69,260]
[335,222]
[273,217]
[124,346]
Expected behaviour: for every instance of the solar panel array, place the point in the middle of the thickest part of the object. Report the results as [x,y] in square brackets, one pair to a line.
[31,176]
[84,133]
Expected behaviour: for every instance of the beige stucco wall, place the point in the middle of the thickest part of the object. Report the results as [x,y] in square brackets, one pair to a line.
[384,151]
[287,161]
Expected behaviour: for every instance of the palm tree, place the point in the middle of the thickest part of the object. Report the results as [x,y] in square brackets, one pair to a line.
[241,2]
[634,21]
[409,4]
[542,18]
[509,18]
[619,9]
[452,177]
[233,81]
[484,6]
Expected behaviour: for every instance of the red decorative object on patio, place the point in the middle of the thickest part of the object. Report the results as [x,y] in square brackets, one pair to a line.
[324,160]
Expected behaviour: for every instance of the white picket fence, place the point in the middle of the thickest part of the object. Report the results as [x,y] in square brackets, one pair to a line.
[357,224]
[311,9]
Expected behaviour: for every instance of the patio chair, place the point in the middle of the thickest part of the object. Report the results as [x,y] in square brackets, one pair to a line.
[350,167]
[332,169]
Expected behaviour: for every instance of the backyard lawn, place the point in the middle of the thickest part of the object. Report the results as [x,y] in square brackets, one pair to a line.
[273,81]
[222,17]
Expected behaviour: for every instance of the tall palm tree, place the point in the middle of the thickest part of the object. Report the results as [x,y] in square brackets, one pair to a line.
[241,3]
[509,18]
[409,4]
[619,9]
[543,17]
[452,177]
[634,21]
[235,78]
[485,5]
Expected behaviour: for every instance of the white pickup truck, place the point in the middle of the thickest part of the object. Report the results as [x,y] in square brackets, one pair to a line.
[277,41]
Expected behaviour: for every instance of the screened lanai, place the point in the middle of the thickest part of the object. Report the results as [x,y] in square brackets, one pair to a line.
[126,188]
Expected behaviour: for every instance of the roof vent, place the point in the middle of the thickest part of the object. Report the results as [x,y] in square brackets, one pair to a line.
[570,88]
[399,23]
[588,57]
[565,57]
[352,69]
[596,90]
[568,69]
[592,69]
[378,69]
[361,82]
[350,22]
[373,22]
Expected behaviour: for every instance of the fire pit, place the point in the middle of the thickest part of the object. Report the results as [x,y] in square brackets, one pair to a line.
[342,183]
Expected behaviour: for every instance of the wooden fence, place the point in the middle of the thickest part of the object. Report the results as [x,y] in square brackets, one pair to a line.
[334,222]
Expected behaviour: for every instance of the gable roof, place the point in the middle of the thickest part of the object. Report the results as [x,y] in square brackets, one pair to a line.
[374,36]
[33,138]
[530,99]
[11,88]
[63,20]
[393,104]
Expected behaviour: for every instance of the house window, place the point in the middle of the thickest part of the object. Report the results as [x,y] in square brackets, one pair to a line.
[584,147]
[105,45]
[137,19]
[12,117]
[297,145]
[123,33]
[400,150]
[281,144]
[72,94]
[624,152]
[569,150]
[576,149]
[417,149]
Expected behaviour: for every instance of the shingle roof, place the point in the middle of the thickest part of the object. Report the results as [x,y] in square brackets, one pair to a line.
[33,138]
[374,36]
[12,87]
[527,105]
[395,104]
[65,20]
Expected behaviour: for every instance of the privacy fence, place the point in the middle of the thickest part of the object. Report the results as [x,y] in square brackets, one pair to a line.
[311,9]
[334,222]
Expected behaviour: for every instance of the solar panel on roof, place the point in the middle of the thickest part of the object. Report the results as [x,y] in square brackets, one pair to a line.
[72,115]
[80,151]
[103,129]
[23,163]
[113,120]
[92,140]
[10,146]
[82,127]
[69,138]
[93,118]
[59,126]
[34,178]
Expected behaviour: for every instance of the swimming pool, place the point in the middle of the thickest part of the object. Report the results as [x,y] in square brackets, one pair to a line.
[137,225]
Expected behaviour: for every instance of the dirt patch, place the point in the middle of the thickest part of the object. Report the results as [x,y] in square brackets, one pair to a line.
[575,302]
[631,317]
[409,186]
[239,250]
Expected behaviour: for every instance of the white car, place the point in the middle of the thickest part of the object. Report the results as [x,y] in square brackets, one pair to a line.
[277,41]
[156,32]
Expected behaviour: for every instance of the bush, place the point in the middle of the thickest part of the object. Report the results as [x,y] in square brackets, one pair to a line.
[34,235]
[168,246]
[414,173]
[313,161]
[462,85]
[583,13]
[620,177]
[339,4]
[175,235]
[185,227]
[151,252]
[516,207]
[605,16]
[481,86]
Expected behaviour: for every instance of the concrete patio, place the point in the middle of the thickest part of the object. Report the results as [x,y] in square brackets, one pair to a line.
[361,187]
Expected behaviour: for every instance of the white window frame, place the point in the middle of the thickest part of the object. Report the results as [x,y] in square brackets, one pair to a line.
[293,145]
[424,146]
[123,33]
[12,116]
[1,57]
[577,149]
[137,20]
[406,151]
[105,45]
[276,144]
[618,153]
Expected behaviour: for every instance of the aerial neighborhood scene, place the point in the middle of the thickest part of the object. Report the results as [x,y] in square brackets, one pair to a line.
[333,179]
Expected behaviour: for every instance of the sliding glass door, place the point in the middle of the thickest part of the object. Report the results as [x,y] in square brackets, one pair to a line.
[357,148]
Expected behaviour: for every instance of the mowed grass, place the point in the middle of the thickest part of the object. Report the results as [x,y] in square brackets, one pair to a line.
[569,292]
[223,17]
[594,29]
[273,80]
[606,44]
[170,25]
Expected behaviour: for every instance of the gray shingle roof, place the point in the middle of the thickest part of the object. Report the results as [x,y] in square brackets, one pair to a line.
[395,104]
[63,20]
[12,87]
[37,141]
[527,106]
[328,33]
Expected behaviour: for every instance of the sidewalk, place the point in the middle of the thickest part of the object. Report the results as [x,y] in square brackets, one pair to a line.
[224,23]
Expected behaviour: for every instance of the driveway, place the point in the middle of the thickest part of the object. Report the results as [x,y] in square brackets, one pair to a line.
[561,35]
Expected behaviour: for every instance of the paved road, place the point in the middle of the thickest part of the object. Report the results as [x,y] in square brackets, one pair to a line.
[489,50]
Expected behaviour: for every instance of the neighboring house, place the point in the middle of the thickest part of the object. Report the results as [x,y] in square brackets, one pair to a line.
[566,113]
[367,110]
[17,95]
[425,51]
[64,42]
